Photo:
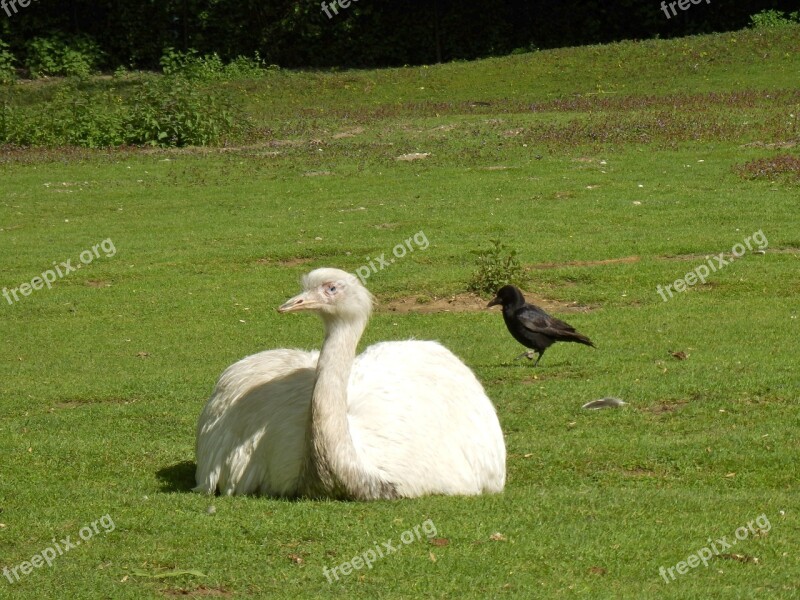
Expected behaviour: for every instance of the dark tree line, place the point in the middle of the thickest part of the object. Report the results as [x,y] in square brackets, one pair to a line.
[367,33]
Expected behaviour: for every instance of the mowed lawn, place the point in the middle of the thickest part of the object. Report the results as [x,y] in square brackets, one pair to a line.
[611,170]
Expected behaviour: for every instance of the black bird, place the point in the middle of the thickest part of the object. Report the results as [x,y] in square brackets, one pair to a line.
[531,326]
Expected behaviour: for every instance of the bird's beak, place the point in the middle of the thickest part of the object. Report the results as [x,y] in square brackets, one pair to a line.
[494,301]
[304,301]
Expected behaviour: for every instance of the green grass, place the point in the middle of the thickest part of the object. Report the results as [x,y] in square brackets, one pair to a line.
[631,151]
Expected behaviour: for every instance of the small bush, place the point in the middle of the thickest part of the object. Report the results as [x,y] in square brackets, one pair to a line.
[497,266]
[8,74]
[168,111]
[71,117]
[773,18]
[194,67]
[243,67]
[173,111]
[78,57]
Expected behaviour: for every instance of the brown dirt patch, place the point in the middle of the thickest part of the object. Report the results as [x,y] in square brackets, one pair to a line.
[726,255]
[97,283]
[289,262]
[69,404]
[665,407]
[199,592]
[471,303]
[349,133]
[770,145]
[457,303]
[584,263]
[413,156]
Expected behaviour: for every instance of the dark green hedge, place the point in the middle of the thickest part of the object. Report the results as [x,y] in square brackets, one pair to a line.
[133,33]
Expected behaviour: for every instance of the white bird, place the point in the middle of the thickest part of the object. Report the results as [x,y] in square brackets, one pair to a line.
[403,419]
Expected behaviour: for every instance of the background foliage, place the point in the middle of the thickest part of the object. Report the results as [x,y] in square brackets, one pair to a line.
[368,33]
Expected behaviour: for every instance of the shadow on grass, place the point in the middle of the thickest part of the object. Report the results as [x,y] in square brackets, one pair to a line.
[178,477]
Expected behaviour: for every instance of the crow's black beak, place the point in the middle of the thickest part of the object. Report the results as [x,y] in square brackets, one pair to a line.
[494,301]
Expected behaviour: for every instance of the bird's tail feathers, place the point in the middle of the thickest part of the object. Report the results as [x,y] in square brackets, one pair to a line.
[581,339]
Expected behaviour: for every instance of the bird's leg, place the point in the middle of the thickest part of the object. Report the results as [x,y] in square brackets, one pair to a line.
[538,359]
[529,355]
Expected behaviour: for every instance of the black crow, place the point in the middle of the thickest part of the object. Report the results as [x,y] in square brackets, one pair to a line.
[531,326]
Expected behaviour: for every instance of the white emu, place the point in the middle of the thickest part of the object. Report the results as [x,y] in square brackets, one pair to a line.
[403,419]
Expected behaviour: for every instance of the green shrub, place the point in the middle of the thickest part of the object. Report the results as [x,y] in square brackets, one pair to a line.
[8,73]
[194,67]
[173,111]
[168,111]
[243,67]
[773,18]
[497,266]
[55,55]
[72,117]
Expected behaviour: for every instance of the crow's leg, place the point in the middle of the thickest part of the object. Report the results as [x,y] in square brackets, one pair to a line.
[529,355]
[538,359]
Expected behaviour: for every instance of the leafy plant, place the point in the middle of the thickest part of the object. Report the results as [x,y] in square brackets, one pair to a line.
[243,66]
[8,73]
[210,67]
[55,55]
[773,18]
[173,111]
[496,267]
[72,117]
[167,112]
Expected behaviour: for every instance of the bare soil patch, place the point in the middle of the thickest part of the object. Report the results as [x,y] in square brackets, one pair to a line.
[199,592]
[471,303]
[289,262]
[665,407]
[97,283]
[584,263]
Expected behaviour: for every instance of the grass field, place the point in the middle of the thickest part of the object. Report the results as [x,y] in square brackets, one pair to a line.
[612,170]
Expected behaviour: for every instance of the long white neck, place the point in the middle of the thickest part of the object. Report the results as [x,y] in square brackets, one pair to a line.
[332,467]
